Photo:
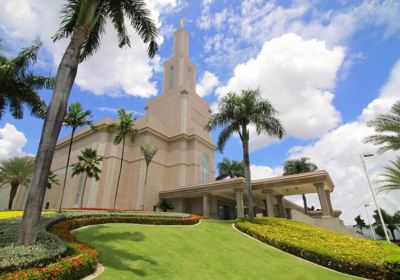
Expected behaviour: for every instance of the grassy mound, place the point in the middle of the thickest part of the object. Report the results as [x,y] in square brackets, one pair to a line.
[356,256]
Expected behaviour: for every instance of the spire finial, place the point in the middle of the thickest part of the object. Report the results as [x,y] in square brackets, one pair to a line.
[181,22]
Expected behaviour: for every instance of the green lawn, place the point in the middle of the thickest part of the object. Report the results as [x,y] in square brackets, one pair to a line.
[212,250]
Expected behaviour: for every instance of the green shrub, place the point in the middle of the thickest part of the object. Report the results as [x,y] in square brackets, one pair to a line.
[352,255]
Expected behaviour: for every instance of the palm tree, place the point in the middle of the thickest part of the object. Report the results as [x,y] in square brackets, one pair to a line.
[75,118]
[148,154]
[238,111]
[19,86]
[123,128]
[52,180]
[17,172]
[88,163]
[84,22]
[230,168]
[297,166]
[388,128]
[360,223]
[390,222]
[391,177]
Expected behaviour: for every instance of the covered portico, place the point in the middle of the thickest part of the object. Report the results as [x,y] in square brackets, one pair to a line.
[212,200]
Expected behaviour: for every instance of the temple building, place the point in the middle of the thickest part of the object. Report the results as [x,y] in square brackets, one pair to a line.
[183,170]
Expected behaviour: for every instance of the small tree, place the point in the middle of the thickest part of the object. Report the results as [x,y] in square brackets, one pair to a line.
[360,223]
[390,222]
[230,168]
[297,166]
[17,172]
[164,205]
[87,163]
[237,112]
[75,118]
[122,129]
[148,154]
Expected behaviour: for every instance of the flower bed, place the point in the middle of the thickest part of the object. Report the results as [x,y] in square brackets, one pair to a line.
[82,260]
[18,213]
[356,256]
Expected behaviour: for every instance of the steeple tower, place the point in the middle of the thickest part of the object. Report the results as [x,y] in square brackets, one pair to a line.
[179,71]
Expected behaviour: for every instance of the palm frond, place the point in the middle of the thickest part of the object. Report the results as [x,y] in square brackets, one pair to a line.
[69,21]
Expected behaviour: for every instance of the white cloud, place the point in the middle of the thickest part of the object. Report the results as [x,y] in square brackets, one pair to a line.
[207,84]
[11,142]
[111,71]
[261,172]
[298,77]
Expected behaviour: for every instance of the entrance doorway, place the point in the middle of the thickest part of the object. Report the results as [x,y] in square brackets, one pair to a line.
[225,211]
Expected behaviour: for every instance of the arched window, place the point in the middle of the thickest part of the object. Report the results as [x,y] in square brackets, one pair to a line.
[205,168]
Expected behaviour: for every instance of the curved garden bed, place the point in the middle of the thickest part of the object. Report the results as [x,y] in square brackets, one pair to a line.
[80,260]
[361,257]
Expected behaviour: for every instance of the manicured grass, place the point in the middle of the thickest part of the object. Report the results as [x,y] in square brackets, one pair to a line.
[212,250]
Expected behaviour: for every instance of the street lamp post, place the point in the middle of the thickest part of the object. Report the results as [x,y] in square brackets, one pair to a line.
[373,196]
[369,221]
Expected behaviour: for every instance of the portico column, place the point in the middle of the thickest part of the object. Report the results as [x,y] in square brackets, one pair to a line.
[268,202]
[179,205]
[328,197]
[281,209]
[239,203]
[206,205]
[323,200]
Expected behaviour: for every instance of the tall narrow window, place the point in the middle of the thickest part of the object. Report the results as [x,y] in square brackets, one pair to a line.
[171,77]
[205,168]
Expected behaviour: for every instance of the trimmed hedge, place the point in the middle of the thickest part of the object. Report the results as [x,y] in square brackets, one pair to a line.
[83,260]
[344,253]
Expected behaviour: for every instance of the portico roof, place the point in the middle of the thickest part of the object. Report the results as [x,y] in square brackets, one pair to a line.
[282,185]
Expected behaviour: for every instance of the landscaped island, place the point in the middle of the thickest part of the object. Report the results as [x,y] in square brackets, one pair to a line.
[212,249]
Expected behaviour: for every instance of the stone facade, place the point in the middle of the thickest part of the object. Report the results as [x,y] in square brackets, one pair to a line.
[174,122]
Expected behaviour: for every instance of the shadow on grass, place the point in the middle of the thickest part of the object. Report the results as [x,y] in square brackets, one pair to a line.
[119,256]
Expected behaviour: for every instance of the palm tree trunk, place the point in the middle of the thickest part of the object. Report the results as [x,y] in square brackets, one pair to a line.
[247,175]
[51,128]
[305,203]
[141,202]
[119,175]
[13,192]
[66,168]
[83,192]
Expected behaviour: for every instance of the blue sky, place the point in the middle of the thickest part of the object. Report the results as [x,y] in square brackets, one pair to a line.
[327,66]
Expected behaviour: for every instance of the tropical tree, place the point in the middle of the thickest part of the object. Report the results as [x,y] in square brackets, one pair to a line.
[19,85]
[84,21]
[148,154]
[390,222]
[164,205]
[230,168]
[16,172]
[88,163]
[122,129]
[387,127]
[391,177]
[237,113]
[360,223]
[75,118]
[52,180]
[297,166]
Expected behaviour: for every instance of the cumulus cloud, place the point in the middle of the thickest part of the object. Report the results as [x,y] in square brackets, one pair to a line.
[261,171]
[207,84]
[248,26]
[298,77]
[11,142]
[111,71]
